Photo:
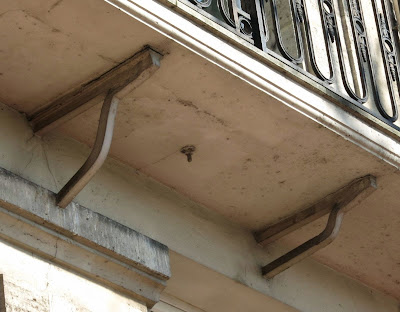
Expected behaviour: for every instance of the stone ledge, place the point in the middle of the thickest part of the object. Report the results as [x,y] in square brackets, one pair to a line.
[21,199]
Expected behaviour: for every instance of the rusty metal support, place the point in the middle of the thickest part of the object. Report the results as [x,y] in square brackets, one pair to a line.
[98,155]
[336,204]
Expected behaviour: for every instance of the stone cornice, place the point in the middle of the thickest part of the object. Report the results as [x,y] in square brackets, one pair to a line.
[130,262]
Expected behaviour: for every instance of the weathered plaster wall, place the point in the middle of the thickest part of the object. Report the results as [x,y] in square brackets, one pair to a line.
[191,231]
[33,284]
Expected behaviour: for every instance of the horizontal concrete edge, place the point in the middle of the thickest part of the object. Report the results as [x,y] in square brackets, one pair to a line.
[253,71]
[21,233]
[83,225]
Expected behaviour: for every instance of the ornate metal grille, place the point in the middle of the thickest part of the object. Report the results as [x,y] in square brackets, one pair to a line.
[328,39]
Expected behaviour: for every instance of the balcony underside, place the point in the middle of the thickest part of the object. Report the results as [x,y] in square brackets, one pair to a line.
[256,159]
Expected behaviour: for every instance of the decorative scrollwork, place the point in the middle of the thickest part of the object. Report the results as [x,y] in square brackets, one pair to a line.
[392,67]
[331,28]
[300,10]
[359,29]
[388,47]
[355,9]
[236,17]
[225,7]
[384,27]
[202,3]
[245,26]
[389,59]
[363,48]
[329,19]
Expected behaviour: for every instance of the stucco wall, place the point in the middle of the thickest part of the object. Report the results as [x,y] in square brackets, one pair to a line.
[33,284]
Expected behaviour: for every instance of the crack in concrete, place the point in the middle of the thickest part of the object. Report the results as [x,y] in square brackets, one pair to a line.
[107,59]
[54,5]
[8,11]
[29,162]
[157,161]
[48,166]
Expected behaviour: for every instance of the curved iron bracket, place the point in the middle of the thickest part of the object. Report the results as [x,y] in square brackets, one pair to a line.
[110,86]
[98,154]
[309,247]
[335,204]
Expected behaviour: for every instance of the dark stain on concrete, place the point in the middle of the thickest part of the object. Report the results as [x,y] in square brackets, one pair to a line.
[54,5]
[202,112]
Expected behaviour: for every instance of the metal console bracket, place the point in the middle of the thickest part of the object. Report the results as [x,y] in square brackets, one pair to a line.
[98,154]
[109,87]
[336,204]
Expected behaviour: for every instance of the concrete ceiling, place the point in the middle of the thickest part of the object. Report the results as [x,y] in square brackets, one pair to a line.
[256,159]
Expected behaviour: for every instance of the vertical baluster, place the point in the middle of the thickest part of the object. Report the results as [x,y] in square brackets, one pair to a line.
[235,16]
[311,48]
[389,59]
[328,10]
[297,30]
[360,40]
[242,19]
[260,29]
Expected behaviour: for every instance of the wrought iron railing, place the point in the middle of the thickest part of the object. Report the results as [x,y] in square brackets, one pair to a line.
[346,45]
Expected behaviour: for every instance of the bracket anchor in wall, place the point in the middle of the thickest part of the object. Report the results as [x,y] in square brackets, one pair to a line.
[336,204]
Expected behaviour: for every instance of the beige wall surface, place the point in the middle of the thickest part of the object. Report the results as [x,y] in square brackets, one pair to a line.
[33,284]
